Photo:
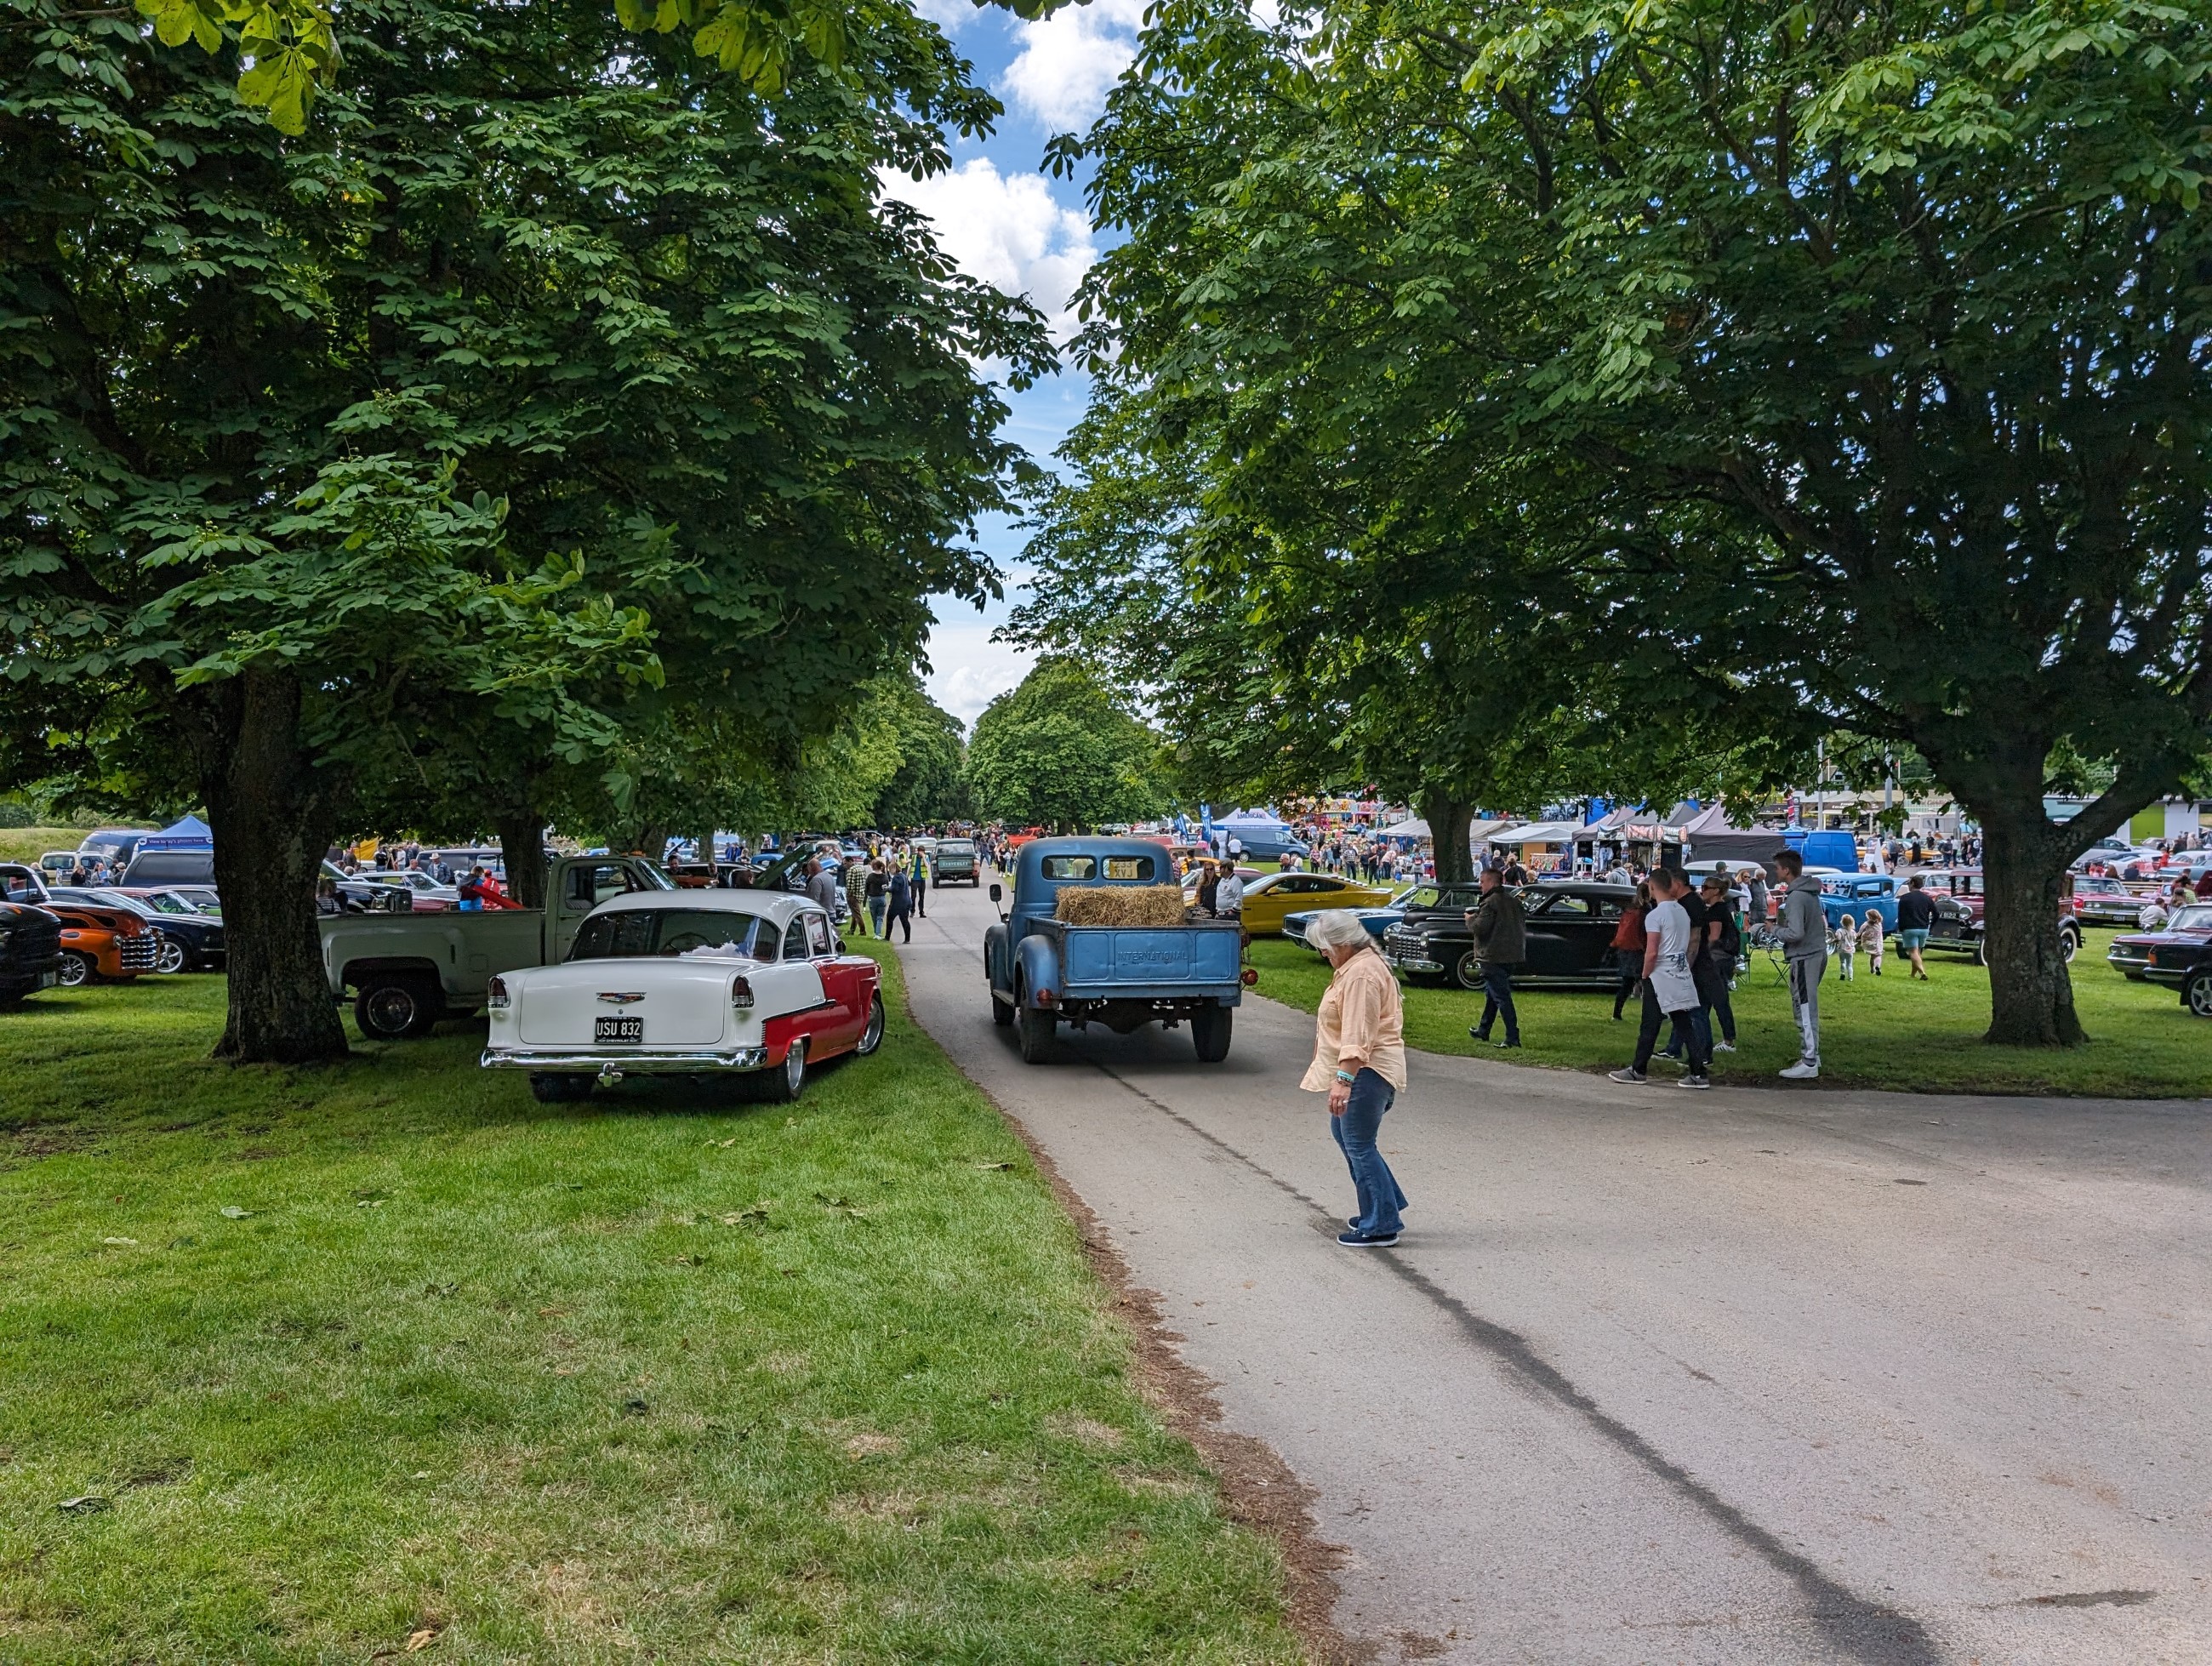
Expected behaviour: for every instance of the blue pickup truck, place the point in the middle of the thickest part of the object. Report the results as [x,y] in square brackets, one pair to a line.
[1041,969]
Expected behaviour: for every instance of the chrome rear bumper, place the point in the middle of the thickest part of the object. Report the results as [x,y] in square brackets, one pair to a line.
[547,1062]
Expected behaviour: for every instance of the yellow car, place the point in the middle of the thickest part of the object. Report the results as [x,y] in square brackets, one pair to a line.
[1272,896]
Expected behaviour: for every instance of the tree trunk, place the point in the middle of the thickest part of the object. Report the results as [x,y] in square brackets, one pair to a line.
[653,842]
[1449,821]
[273,815]
[521,842]
[2023,881]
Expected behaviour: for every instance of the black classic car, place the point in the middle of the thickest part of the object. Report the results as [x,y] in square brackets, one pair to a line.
[1571,929]
[2179,955]
[30,952]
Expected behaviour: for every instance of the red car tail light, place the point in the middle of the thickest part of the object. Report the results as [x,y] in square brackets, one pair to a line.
[1251,975]
[495,994]
[741,993]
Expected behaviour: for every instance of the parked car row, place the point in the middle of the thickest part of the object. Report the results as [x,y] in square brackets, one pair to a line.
[106,933]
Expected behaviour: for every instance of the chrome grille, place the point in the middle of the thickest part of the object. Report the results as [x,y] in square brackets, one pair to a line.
[141,953]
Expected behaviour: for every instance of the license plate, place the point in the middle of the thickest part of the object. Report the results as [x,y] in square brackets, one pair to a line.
[618,1029]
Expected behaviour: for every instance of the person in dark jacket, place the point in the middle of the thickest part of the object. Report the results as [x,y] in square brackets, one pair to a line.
[902,908]
[1915,915]
[1500,926]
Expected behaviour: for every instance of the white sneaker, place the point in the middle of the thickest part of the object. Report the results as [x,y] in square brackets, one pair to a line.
[1800,1071]
[1723,1047]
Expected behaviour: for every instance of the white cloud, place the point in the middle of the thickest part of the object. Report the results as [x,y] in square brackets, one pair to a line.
[1069,61]
[1006,230]
[947,14]
[969,670]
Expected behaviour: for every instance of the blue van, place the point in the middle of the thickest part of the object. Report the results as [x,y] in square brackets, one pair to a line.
[1833,849]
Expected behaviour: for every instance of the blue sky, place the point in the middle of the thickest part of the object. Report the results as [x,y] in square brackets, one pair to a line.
[1004,221]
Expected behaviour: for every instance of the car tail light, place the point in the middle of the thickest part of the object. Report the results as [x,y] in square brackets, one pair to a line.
[1047,998]
[495,994]
[1251,975]
[741,993]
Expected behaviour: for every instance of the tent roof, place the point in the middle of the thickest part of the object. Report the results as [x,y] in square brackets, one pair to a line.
[1411,827]
[1250,819]
[185,833]
[1536,833]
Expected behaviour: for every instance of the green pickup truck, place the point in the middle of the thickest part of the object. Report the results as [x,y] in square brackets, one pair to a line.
[408,971]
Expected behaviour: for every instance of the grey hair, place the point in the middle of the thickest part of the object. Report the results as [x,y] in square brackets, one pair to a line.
[1338,928]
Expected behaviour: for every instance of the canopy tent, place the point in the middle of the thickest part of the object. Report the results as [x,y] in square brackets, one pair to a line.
[1710,839]
[1528,833]
[187,833]
[1411,827]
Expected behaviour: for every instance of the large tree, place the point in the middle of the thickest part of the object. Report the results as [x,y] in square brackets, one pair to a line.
[700,397]
[1871,346]
[1060,752]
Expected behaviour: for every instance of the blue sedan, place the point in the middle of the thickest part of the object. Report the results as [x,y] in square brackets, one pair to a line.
[1378,921]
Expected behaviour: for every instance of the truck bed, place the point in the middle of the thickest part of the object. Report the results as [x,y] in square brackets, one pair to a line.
[1114,960]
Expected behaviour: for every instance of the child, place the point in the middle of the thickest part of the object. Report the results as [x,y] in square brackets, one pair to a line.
[1870,940]
[1846,940]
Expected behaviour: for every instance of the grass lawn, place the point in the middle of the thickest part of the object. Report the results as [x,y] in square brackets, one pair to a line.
[1875,1032]
[387,1356]
[28,845]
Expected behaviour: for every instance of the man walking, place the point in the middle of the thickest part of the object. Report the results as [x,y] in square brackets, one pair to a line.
[1915,917]
[1668,988]
[821,889]
[1804,931]
[921,882]
[1500,926]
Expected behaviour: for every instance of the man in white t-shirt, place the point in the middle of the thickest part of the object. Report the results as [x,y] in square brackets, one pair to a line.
[1668,987]
[1229,896]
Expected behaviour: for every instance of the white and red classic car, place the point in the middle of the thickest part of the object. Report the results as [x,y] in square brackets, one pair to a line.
[690,983]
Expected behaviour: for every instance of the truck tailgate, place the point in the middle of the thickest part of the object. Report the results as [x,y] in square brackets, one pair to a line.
[1148,955]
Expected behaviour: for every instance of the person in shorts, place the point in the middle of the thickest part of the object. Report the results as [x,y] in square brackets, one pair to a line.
[1916,913]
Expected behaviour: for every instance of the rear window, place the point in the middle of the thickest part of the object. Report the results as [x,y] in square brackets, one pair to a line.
[1069,867]
[956,847]
[631,934]
[1129,868]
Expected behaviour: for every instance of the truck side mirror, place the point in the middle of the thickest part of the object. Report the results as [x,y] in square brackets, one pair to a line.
[996,893]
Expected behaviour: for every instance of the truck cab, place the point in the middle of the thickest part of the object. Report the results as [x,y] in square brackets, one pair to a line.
[1042,971]
[408,971]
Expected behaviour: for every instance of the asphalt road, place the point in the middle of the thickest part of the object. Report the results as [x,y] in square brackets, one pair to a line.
[1659,1376]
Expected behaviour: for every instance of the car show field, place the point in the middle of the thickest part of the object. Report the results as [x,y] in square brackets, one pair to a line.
[331,1364]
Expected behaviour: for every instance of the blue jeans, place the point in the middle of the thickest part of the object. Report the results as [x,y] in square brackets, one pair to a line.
[1380,1200]
[1497,997]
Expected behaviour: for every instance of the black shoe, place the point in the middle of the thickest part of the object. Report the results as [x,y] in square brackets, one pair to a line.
[1356,1239]
[1479,1035]
[1511,1043]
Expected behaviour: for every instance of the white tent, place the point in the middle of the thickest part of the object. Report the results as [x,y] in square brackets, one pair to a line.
[1535,833]
[1411,827]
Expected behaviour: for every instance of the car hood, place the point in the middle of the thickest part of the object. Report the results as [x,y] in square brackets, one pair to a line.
[2155,939]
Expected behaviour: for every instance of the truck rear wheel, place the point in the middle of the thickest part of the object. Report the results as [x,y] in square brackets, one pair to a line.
[1209,1033]
[1002,1013]
[1034,1028]
[396,1006]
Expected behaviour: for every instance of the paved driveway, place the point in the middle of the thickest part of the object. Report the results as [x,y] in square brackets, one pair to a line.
[1658,1376]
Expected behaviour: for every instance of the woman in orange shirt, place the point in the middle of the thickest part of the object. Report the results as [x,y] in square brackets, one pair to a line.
[1359,1061]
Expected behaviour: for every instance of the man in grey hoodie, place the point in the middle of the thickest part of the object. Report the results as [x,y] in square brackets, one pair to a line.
[1804,928]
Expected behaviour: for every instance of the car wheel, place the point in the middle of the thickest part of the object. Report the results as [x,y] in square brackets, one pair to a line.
[172,956]
[2198,993]
[75,969]
[872,1036]
[1467,974]
[2069,944]
[1981,952]
[790,1081]
[1002,1013]
[563,1088]
[390,1008]
[1035,1027]
[1209,1032]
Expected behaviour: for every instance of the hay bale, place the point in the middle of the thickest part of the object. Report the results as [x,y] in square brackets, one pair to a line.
[1120,905]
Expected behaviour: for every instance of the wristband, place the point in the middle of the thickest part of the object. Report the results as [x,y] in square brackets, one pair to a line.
[1347,1078]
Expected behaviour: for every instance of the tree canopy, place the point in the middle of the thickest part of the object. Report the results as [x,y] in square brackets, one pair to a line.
[1830,369]
[1059,752]
[554,402]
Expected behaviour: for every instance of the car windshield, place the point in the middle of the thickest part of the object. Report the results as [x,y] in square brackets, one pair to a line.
[631,934]
[956,848]
[2191,919]
[168,901]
